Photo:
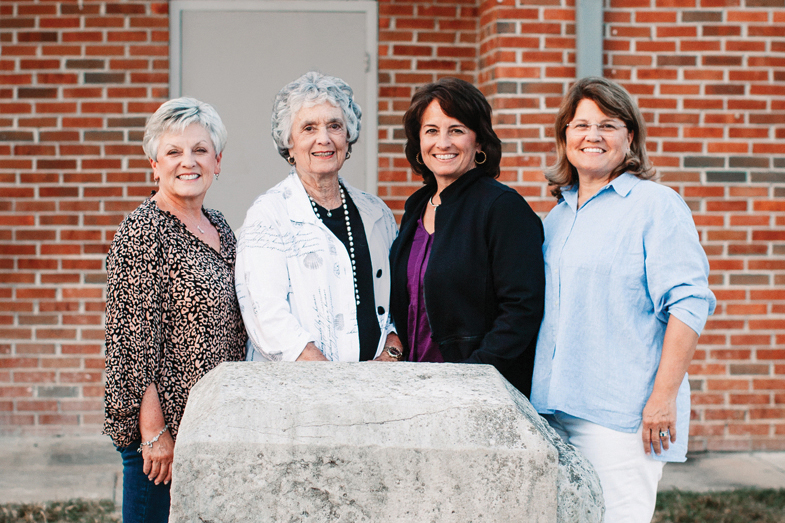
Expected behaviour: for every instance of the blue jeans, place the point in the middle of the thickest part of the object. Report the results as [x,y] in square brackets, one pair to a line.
[143,500]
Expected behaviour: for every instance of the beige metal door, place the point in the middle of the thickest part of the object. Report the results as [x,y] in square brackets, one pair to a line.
[238,55]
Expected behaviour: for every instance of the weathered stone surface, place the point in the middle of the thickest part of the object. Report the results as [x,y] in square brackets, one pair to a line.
[372,442]
[579,489]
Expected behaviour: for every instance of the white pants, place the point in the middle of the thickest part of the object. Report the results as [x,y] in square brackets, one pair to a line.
[628,476]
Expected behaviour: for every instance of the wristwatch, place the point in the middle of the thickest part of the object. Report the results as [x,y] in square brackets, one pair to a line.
[394,352]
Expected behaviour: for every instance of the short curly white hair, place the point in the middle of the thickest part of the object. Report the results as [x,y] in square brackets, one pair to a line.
[312,88]
[177,114]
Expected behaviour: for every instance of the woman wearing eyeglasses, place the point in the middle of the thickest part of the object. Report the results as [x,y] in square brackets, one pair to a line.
[626,299]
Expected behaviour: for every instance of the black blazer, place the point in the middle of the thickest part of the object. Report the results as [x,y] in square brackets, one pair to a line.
[485,281]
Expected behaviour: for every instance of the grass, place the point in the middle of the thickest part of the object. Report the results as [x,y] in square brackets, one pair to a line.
[74,510]
[736,506]
[674,506]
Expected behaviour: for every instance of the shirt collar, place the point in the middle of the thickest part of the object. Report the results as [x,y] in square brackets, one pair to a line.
[463,181]
[622,184]
[298,204]
[300,209]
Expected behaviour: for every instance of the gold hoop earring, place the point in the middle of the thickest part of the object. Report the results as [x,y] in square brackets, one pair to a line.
[291,160]
[418,159]
[484,158]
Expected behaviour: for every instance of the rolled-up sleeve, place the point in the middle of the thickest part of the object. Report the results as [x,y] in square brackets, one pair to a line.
[677,270]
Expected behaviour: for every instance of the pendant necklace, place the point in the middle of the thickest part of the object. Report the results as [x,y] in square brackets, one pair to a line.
[198,228]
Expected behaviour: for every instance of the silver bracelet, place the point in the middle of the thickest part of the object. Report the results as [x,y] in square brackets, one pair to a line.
[149,444]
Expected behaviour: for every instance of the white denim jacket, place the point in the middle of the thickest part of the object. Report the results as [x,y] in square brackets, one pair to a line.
[294,277]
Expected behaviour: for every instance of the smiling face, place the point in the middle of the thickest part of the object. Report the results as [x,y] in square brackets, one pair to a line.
[320,141]
[594,154]
[447,147]
[186,164]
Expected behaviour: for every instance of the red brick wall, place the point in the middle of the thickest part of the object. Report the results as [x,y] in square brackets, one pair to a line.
[527,64]
[76,85]
[710,81]
[77,82]
[419,42]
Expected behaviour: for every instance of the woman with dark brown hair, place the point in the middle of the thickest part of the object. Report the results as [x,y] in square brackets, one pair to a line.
[467,269]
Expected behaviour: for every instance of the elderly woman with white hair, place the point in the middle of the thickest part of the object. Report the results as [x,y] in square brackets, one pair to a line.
[313,274]
[171,310]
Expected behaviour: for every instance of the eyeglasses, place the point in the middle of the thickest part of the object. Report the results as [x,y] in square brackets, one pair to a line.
[582,128]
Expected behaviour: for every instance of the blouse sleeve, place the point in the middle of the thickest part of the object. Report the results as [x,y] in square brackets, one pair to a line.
[676,266]
[134,315]
[263,288]
[515,237]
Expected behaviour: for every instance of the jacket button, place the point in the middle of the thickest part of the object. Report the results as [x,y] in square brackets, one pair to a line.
[379,273]
[380,310]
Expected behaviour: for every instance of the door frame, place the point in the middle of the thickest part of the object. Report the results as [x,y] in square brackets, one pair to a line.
[366,7]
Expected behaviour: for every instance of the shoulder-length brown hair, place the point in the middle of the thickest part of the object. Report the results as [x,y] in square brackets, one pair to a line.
[460,100]
[615,102]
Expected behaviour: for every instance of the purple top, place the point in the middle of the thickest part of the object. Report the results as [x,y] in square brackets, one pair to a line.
[421,346]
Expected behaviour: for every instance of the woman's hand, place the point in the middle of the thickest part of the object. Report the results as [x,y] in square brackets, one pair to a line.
[311,353]
[158,459]
[659,415]
[385,357]
[392,341]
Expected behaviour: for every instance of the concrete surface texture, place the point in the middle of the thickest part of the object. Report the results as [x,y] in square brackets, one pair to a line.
[371,442]
[726,471]
[578,486]
[38,469]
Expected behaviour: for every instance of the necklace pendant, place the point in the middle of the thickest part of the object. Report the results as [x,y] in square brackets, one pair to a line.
[199,229]
[330,214]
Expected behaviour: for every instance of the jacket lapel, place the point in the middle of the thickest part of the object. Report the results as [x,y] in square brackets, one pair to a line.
[370,213]
[298,205]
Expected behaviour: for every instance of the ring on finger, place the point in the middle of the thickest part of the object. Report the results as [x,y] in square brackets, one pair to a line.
[664,434]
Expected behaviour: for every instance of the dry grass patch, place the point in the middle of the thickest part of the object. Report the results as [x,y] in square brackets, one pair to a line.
[74,510]
[735,506]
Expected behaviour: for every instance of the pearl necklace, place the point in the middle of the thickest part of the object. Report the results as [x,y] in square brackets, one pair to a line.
[348,232]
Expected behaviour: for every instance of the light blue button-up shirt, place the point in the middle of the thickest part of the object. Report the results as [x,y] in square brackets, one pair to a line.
[616,269]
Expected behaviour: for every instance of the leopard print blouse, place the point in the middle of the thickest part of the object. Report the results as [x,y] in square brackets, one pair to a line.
[171,315]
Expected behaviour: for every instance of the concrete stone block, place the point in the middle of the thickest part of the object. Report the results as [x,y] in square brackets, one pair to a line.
[375,442]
